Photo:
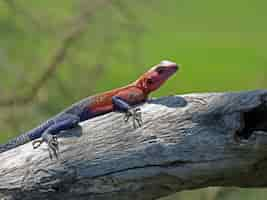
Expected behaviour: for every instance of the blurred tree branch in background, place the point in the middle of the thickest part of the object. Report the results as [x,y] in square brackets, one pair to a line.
[56,59]
[21,12]
[79,26]
[80,42]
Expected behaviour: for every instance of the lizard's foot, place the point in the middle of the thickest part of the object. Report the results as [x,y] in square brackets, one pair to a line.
[136,115]
[51,141]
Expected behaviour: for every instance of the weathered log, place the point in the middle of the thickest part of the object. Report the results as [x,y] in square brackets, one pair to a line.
[187,141]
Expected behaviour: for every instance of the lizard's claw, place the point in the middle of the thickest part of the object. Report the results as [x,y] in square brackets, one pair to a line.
[37,143]
[51,141]
[136,115]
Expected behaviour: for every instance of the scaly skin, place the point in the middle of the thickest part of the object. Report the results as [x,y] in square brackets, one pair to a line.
[118,100]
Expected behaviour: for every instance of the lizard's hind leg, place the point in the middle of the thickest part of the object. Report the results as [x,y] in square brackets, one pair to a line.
[64,122]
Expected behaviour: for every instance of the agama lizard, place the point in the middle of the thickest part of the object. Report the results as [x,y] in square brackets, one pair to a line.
[119,100]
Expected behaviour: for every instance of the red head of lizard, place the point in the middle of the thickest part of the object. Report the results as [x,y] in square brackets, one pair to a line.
[156,76]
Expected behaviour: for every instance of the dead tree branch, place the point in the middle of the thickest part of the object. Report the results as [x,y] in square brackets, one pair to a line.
[186,142]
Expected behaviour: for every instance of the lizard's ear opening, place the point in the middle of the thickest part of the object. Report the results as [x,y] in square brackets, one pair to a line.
[149,81]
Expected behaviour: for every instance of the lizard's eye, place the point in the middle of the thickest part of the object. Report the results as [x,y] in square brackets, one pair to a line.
[149,81]
[160,70]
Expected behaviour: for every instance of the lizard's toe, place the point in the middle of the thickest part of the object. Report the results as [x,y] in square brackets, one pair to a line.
[53,147]
[37,143]
[51,141]
[136,115]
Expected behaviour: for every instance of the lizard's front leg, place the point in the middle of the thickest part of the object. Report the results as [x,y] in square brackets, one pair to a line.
[134,113]
[64,122]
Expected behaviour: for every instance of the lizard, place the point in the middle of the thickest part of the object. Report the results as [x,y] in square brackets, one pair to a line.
[123,99]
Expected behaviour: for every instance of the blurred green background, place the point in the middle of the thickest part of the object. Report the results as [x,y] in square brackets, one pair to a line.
[53,53]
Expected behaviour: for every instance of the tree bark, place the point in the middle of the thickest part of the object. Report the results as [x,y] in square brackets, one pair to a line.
[186,142]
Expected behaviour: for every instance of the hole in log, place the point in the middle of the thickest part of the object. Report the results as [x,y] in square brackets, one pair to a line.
[253,120]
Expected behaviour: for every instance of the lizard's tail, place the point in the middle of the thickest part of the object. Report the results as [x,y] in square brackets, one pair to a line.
[20,140]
